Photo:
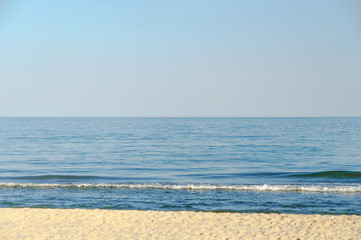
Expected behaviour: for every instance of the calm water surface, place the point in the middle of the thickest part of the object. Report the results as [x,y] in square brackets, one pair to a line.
[289,165]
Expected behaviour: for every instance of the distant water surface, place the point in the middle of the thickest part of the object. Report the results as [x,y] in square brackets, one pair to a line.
[289,165]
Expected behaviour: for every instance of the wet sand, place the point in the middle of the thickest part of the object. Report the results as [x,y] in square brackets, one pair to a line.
[74,224]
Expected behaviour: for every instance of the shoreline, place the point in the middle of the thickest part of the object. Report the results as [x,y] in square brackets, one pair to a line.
[36,223]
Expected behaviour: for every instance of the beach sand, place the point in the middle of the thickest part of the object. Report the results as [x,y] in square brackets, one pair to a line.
[74,224]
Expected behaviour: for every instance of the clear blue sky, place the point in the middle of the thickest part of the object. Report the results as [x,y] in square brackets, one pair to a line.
[180,58]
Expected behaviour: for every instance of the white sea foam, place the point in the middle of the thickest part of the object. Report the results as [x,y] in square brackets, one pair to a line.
[258,188]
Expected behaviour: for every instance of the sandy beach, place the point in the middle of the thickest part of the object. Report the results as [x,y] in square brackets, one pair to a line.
[28,223]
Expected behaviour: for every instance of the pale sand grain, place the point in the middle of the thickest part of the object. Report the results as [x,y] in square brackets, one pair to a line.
[118,224]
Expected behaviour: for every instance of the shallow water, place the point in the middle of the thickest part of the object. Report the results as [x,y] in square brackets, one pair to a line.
[291,165]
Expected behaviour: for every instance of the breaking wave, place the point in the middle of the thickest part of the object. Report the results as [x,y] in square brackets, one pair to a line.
[200,187]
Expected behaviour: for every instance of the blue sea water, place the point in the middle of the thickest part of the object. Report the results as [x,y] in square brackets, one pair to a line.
[282,165]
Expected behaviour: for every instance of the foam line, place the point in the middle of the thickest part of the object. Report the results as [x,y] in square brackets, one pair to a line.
[258,188]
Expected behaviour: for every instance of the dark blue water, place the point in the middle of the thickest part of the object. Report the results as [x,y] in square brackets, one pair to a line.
[284,165]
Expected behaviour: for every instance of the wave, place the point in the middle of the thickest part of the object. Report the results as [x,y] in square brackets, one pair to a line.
[324,174]
[56,177]
[258,188]
[344,175]
[329,174]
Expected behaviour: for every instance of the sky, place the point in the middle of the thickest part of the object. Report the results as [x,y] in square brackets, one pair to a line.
[184,58]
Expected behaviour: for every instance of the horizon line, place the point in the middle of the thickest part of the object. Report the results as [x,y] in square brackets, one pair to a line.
[180,116]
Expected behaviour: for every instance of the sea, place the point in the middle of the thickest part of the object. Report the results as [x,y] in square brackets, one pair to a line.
[248,165]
